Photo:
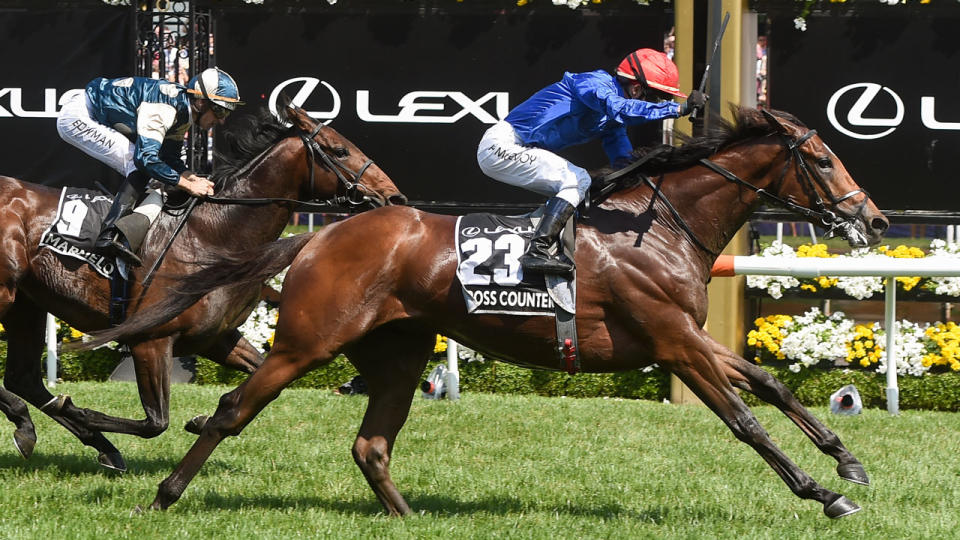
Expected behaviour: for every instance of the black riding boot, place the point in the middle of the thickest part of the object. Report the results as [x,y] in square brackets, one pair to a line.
[538,258]
[112,240]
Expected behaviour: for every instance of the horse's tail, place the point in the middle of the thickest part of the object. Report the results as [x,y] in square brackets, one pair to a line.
[220,270]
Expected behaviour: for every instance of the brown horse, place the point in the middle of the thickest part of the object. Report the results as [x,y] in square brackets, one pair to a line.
[305,161]
[380,285]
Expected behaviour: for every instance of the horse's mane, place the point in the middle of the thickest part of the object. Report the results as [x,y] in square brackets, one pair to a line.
[246,136]
[747,123]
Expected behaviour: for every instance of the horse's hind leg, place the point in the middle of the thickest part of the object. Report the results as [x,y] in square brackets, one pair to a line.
[25,324]
[696,365]
[238,408]
[765,386]
[232,350]
[391,361]
[25,436]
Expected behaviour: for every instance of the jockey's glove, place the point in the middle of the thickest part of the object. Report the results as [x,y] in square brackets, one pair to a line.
[696,100]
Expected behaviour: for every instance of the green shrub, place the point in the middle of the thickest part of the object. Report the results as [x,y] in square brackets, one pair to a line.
[933,391]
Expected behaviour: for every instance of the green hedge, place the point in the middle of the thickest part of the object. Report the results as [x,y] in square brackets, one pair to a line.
[812,387]
[933,391]
[489,376]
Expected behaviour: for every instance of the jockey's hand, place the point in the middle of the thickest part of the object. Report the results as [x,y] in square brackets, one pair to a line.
[696,100]
[197,186]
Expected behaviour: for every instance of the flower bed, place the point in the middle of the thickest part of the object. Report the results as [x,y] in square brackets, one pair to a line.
[815,339]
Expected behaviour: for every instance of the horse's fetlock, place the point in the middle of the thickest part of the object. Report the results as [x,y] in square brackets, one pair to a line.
[154,427]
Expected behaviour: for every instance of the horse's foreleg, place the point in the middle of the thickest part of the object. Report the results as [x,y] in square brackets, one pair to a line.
[696,365]
[152,363]
[25,324]
[765,386]
[235,411]
[25,436]
[233,350]
[391,362]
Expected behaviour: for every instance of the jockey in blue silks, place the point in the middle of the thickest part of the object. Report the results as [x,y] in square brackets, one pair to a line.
[136,126]
[581,107]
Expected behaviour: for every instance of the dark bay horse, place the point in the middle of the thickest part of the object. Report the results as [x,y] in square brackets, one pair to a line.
[379,286]
[305,161]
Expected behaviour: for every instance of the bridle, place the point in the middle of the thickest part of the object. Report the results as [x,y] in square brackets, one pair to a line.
[355,193]
[828,215]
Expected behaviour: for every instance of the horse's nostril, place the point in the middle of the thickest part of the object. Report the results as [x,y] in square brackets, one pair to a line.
[397,200]
[879,224]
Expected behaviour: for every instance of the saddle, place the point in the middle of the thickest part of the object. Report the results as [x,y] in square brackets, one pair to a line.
[492,280]
[73,232]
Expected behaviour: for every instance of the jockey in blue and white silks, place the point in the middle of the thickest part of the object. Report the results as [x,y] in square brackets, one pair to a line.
[136,126]
[581,107]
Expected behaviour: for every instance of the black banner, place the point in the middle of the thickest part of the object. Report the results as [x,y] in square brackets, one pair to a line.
[47,53]
[416,90]
[882,92]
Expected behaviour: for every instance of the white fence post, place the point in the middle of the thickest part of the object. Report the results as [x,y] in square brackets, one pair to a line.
[890,323]
[51,351]
[453,374]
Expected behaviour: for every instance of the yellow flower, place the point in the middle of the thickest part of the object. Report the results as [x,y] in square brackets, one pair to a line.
[440,345]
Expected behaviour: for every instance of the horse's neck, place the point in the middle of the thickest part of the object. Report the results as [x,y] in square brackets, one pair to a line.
[267,176]
[713,207]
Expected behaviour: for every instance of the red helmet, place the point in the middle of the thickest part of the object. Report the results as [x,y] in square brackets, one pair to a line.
[658,71]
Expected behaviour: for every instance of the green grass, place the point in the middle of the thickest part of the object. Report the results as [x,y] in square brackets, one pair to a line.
[485,467]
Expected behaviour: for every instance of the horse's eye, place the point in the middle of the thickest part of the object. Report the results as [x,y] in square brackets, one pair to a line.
[824,163]
[341,152]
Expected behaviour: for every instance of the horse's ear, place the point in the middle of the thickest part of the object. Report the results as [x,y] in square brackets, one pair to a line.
[774,122]
[297,116]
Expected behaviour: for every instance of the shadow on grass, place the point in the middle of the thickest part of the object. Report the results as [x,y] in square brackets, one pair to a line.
[438,506]
[85,463]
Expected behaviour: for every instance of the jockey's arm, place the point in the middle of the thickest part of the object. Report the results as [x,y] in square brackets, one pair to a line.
[602,96]
[151,149]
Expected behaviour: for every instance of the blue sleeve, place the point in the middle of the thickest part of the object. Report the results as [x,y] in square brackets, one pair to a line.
[601,95]
[146,156]
[617,145]
[170,152]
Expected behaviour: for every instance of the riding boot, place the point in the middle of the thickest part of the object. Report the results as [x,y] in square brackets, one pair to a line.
[537,258]
[112,240]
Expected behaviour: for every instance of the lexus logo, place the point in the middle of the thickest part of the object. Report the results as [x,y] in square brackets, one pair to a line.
[855,117]
[855,124]
[440,107]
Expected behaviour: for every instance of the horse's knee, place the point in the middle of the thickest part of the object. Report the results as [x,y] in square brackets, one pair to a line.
[372,457]
[747,428]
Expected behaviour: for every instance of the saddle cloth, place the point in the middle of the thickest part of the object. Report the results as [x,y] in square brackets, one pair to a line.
[489,247]
[76,226]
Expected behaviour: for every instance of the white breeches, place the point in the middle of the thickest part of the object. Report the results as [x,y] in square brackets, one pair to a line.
[502,157]
[103,143]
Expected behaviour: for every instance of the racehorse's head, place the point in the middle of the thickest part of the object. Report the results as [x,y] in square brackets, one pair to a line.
[338,161]
[813,177]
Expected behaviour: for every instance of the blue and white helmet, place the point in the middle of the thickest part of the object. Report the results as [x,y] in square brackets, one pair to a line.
[217,86]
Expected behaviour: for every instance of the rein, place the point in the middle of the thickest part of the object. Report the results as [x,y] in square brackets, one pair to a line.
[356,193]
[807,177]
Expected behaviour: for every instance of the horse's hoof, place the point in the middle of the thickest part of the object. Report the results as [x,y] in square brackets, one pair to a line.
[854,473]
[840,507]
[113,461]
[195,424]
[24,442]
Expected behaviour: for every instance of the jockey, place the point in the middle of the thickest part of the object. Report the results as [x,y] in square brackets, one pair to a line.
[581,107]
[136,126]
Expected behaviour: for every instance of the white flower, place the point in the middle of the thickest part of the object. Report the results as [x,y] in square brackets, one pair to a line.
[800,24]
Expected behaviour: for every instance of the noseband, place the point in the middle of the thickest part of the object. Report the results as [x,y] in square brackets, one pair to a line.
[355,193]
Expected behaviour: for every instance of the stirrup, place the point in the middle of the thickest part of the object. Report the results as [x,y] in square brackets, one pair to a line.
[534,262]
[120,249]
